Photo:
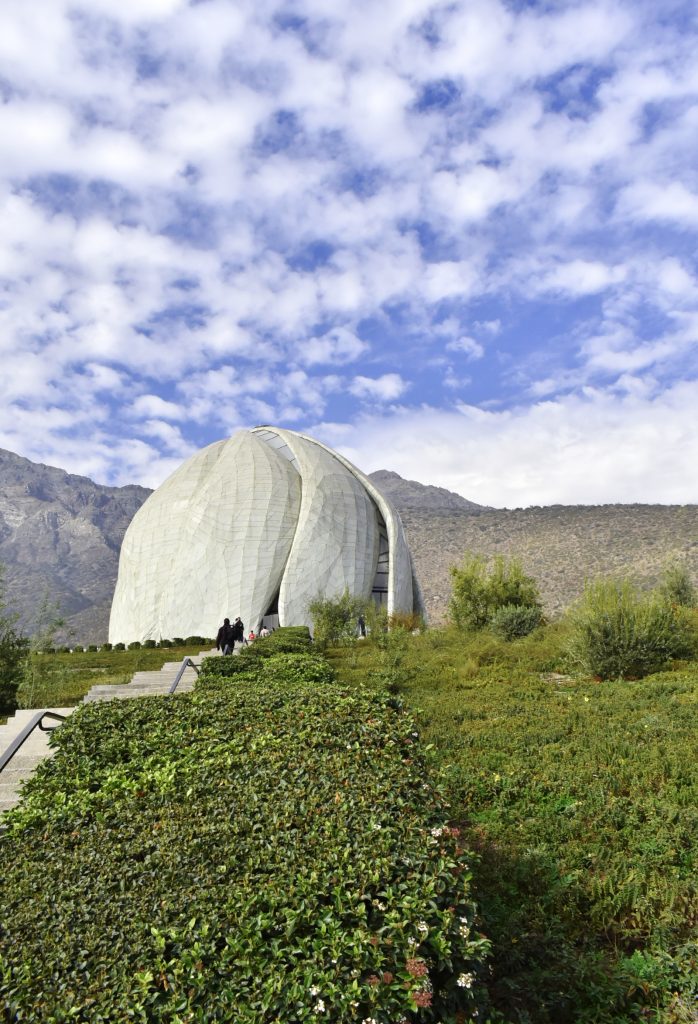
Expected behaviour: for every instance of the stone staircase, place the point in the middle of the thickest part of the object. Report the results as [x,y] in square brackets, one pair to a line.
[35,748]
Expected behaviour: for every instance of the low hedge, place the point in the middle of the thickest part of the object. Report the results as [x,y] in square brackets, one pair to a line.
[274,852]
[286,640]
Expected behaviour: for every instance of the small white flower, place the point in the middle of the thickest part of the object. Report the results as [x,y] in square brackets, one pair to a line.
[465,980]
[319,1006]
[436,831]
[423,927]
[314,990]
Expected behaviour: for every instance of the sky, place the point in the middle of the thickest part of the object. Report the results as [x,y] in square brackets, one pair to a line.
[455,240]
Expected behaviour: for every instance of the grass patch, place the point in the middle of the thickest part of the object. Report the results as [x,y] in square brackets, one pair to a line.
[271,848]
[62,680]
[582,801]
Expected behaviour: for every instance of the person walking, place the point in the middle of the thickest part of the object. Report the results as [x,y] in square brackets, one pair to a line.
[225,640]
[239,630]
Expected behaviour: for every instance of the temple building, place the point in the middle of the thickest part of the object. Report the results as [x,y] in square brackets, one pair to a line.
[259,525]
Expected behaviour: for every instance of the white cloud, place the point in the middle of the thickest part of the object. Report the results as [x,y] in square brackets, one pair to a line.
[471,348]
[247,208]
[598,448]
[385,388]
[337,347]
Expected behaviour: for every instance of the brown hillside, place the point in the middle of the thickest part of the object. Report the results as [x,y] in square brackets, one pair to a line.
[560,545]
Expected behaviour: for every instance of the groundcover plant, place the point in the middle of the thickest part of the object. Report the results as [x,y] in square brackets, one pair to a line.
[272,848]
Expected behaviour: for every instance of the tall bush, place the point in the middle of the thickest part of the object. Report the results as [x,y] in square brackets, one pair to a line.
[480,589]
[13,653]
[619,633]
[677,586]
[335,618]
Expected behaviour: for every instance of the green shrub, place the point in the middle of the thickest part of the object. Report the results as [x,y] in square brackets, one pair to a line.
[335,619]
[106,647]
[119,647]
[481,589]
[196,640]
[268,853]
[177,641]
[13,655]
[65,650]
[149,644]
[165,643]
[618,633]
[677,587]
[287,640]
[91,648]
[511,621]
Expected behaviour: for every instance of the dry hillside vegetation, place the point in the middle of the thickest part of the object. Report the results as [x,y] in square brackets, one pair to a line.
[561,545]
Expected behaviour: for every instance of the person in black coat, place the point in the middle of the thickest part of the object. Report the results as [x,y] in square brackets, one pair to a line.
[238,630]
[225,640]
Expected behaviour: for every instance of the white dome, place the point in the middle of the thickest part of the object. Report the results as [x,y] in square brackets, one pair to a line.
[265,522]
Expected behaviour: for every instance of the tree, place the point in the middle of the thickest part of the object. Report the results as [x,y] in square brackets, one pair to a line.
[480,589]
[13,653]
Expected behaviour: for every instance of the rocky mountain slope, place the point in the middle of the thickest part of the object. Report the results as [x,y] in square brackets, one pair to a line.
[60,536]
[409,494]
[559,545]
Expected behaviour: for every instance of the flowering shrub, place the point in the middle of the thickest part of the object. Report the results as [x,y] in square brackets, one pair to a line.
[248,854]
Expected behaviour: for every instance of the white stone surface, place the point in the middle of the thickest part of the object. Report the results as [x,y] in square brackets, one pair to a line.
[267,512]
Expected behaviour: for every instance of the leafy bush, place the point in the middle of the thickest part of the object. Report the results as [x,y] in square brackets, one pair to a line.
[677,587]
[119,647]
[91,648]
[149,644]
[512,621]
[335,618]
[177,641]
[480,590]
[408,621]
[198,640]
[287,640]
[135,645]
[106,647]
[267,853]
[165,643]
[13,653]
[619,633]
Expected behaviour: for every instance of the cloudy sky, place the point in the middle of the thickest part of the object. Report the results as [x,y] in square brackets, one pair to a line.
[456,240]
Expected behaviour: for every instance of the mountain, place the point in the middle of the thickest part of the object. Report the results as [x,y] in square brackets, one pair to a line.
[561,546]
[409,494]
[60,536]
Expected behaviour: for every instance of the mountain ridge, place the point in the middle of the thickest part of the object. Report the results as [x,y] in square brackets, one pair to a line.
[60,536]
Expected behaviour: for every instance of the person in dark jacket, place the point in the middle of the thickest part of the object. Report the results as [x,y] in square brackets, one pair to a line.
[225,640]
[238,630]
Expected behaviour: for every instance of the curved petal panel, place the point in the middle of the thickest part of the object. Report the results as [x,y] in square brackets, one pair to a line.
[336,542]
[212,541]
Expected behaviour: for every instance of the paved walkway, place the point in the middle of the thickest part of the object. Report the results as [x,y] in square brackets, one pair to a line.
[35,748]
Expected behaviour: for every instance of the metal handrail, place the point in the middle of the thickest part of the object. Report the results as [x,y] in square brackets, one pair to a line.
[186,663]
[28,729]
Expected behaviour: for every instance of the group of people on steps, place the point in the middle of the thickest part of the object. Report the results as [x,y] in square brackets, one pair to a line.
[229,635]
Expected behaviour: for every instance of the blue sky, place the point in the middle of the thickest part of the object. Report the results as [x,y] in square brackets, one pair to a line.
[456,240]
